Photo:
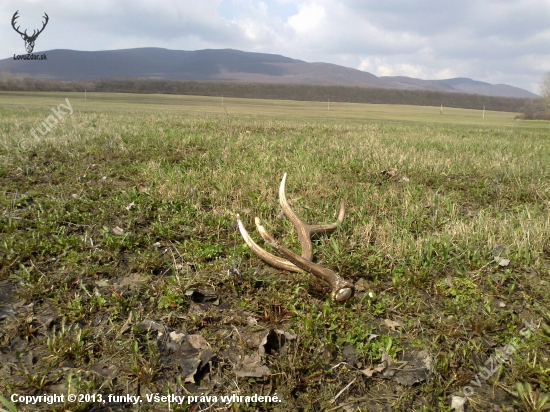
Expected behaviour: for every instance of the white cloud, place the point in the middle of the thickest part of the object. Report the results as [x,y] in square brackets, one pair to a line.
[309,19]
[381,67]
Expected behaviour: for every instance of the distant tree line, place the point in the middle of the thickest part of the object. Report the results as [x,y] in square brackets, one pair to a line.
[24,83]
[9,82]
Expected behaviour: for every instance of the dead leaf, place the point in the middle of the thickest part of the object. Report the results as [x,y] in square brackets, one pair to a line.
[206,296]
[189,367]
[274,342]
[142,188]
[350,355]
[253,338]
[117,231]
[147,325]
[198,342]
[386,358]
[393,324]
[251,366]
[391,172]
[370,371]
[457,403]
[418,365]
[130,206]
[498,251]
[501,261]
[287,335]
[387,364]
[177,336]
[102,283]
[189,353]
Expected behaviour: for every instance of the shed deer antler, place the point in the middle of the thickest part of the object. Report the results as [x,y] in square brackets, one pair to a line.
[341,289]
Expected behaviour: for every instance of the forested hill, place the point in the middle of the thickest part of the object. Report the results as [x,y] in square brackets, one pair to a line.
[227,65]
[271,91]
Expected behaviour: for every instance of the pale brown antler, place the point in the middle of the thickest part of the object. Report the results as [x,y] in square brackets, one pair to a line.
[305,231]
[341,289]
[273,260]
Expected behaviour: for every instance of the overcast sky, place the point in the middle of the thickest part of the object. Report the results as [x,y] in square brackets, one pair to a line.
[497,41]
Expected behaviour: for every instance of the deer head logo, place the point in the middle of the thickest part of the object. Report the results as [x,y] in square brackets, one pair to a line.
[29,40]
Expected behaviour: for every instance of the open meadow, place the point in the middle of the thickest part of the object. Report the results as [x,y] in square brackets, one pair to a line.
[122,271]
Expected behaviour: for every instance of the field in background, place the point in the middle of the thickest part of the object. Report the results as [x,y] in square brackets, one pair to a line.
[282,109]
[130,202]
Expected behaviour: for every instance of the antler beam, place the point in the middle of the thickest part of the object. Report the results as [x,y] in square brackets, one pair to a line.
[305,231]
[341,289]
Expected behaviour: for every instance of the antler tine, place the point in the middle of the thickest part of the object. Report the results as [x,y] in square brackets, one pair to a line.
[341,289]
[273,260]
[304,230]
[331,227]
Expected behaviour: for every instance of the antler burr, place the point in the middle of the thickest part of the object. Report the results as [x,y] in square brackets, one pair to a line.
[341,288]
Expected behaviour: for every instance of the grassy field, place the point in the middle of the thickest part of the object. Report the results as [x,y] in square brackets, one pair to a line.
[274,109]
[118,227]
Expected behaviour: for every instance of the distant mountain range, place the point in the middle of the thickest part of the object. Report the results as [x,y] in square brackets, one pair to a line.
[230,65]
